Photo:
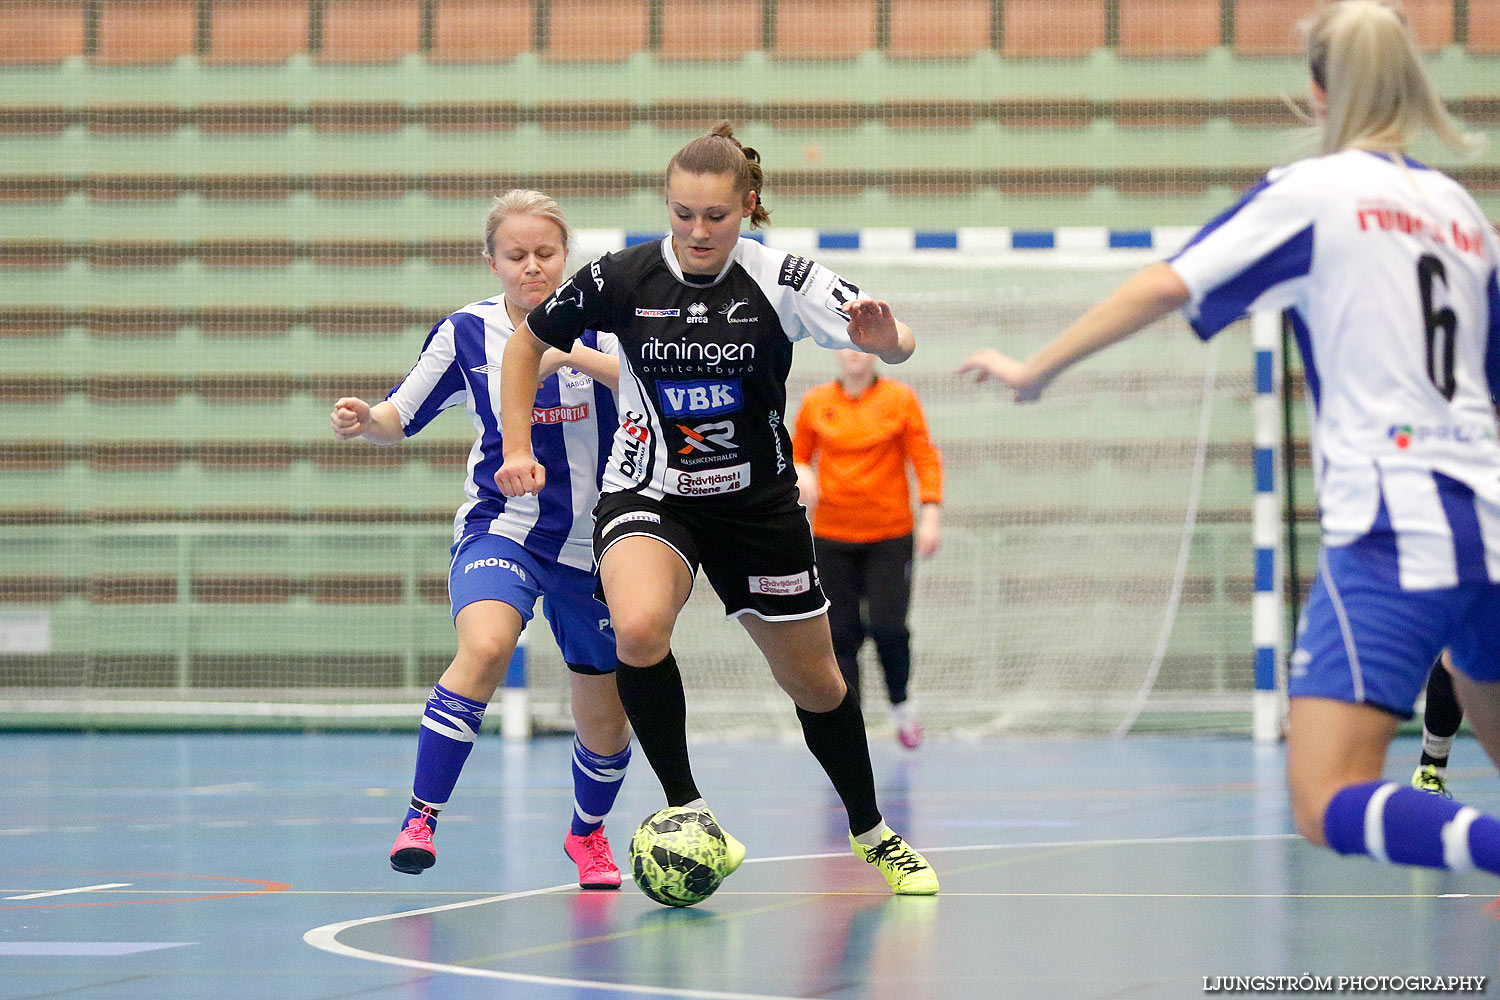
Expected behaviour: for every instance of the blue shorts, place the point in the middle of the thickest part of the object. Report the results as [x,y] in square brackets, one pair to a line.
[496,568]
[1364,639]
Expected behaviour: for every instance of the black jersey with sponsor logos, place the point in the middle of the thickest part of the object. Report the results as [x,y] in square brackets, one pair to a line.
[703,367]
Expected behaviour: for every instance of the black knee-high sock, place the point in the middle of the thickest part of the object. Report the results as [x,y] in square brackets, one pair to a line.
[1443,714]
[657,710]
[837,739]
[893,646]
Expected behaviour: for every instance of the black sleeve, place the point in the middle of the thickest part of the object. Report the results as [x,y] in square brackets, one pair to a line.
[583,302]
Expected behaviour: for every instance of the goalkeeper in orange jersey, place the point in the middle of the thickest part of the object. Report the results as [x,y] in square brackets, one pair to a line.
[853,441]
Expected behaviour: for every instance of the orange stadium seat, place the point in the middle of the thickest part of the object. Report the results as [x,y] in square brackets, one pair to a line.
[709,29]
[1269,27]
[370,31]
[481,30]
[1432,22]
[1052,29]
[1155,28]
[146,31]
[939,29]
[40,33]
[257,31]
[598,30]
[1484,27]
[824,29]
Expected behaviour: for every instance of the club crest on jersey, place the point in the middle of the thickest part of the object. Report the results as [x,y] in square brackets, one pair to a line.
[729,309]
[699,398]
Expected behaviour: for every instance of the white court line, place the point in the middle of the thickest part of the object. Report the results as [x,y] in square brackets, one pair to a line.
[326,937]
[81,888]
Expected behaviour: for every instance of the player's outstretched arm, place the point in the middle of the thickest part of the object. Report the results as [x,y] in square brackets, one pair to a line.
[1140,300]
[352,417]
[875,330]
[521,473]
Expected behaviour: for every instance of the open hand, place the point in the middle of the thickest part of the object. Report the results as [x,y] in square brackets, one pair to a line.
[872,326]
[991,364]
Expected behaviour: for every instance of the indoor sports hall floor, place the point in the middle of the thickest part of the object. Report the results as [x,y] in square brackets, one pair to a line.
[243,867]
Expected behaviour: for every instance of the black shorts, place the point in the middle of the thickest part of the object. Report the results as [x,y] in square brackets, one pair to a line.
[759,563]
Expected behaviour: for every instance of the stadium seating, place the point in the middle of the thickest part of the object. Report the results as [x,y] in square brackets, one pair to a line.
[1157,28]
[709,30]
[481,30]
[146,31]
[257,31]
[965,28]
[36,34]
[223,214]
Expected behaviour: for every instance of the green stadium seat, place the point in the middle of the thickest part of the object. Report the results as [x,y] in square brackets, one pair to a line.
[709,29]
[824,29]
[135,32]
[598,30]
[939,29]
[1164,28]
[257,31]
[33,33]
[1051,29]
[369,31]
[481,30]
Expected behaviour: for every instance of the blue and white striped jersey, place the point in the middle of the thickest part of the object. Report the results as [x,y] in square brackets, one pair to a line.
[571,426]
[1386,270]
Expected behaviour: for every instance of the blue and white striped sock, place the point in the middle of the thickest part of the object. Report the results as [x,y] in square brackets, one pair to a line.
[596,782]
[449,724]
[1404,826]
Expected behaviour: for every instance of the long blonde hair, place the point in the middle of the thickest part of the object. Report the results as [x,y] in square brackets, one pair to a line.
[1379,96]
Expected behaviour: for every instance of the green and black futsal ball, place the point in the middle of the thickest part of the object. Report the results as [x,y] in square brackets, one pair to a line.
[679,856]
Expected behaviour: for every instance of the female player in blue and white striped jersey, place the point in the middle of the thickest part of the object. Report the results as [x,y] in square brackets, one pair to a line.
[1387,271]
[509,552]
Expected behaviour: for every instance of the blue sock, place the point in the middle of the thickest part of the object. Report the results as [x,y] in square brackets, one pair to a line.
[1405,826]
[449,725]
[596,782]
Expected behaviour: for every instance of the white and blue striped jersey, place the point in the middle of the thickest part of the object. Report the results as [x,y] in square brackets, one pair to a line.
[572,423]
[1386,270]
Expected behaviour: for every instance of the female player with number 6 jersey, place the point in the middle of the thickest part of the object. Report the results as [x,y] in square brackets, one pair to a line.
[1386,270]
[701,470]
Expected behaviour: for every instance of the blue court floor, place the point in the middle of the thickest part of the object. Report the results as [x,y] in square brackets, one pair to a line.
[254,867]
